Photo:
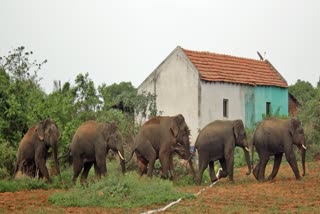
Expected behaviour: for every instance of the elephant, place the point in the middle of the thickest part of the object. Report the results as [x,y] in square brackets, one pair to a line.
[217,141]
[274,137]
[33,149]
[159,138]
[90,145]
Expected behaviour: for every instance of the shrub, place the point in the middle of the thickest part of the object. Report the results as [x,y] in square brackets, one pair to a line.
[7,159]
[116,190]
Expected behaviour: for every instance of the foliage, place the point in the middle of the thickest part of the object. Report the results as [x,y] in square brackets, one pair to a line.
[7,159]
[125,97]
[310,117]
[20,95]
[303,91]
[116,190]
[26,183]
[86,100]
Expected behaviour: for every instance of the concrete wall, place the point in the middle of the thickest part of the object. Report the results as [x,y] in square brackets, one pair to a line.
[179,91]
[212,95]
[175,83]
[278,97]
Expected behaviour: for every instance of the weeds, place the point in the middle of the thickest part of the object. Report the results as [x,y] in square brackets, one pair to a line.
[115,191]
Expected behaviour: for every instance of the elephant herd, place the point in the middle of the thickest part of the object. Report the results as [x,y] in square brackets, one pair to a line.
[160,138]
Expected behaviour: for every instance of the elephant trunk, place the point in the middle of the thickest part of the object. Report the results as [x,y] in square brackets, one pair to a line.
[247,157]
[303,159]
[191,154]
[55,158]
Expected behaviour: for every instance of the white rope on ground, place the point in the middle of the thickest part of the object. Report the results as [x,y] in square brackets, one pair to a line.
[177,201]
[164,208]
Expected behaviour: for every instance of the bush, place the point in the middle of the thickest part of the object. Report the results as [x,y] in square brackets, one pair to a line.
[116,190]
[7,159]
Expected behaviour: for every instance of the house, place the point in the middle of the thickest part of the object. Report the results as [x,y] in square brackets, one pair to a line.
[207,86]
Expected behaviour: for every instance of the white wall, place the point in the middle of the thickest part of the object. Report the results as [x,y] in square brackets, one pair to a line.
[211,103]
[176,88]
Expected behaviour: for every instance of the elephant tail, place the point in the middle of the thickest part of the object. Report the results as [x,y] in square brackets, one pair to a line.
[16,167]
[65,155]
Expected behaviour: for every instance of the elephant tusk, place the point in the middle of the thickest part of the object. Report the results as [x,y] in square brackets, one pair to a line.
[303,146]
[120,155]
[247,149]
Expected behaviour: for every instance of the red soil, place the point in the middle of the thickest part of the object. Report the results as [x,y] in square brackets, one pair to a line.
[246,195]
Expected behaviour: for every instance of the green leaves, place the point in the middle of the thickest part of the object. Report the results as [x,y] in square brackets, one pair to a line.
[23,103]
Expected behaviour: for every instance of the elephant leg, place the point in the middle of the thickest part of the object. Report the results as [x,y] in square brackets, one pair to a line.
[224,172]
[291,158]
[150,167]
[150,159]
[101,166]
[229,163]
[96,170]
[142,166]
[86,168]
[256,170]
[77,168]
[41,165]
[40,175]
[262,168]
[166,164]
[276,166]
[101,162]
[171,169]
[212,172]
[203,164]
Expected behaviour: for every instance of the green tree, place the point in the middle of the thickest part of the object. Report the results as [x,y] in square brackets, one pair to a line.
[21,95]
[310,116]
[86,98]
[303,91]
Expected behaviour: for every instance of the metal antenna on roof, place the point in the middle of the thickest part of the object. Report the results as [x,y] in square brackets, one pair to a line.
[261,58]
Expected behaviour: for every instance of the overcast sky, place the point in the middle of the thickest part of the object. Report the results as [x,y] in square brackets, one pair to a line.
[117,41]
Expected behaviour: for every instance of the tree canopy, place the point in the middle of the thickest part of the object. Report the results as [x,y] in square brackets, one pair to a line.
[23,103]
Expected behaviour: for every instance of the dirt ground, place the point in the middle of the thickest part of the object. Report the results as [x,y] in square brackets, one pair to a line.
[246,195]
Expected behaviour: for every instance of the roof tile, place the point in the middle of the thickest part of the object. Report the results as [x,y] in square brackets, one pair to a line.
[224,68]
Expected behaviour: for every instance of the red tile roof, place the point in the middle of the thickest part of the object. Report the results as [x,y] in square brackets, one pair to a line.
[224,68]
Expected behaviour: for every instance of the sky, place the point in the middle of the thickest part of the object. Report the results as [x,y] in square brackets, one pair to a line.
[116,40]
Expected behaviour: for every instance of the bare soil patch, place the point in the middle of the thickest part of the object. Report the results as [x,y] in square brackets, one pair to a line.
[283,195]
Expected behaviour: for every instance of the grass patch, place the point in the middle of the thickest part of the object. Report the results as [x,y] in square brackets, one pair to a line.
[26,183]
[128,191]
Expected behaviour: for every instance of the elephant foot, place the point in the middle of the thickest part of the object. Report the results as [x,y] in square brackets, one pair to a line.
[222,174]
[261,180]
[298,178]
[270,178]
[214,180]
[255,173]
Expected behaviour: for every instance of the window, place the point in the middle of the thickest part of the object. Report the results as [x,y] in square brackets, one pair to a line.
[268,108]
[225,108]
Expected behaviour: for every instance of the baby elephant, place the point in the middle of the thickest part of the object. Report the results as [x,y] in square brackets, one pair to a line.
[217,141]
[90,145]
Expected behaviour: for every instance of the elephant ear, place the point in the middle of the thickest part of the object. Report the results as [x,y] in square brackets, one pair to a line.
[237,125]
[107,130]
[294,124]
[175,124]
[40,130]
